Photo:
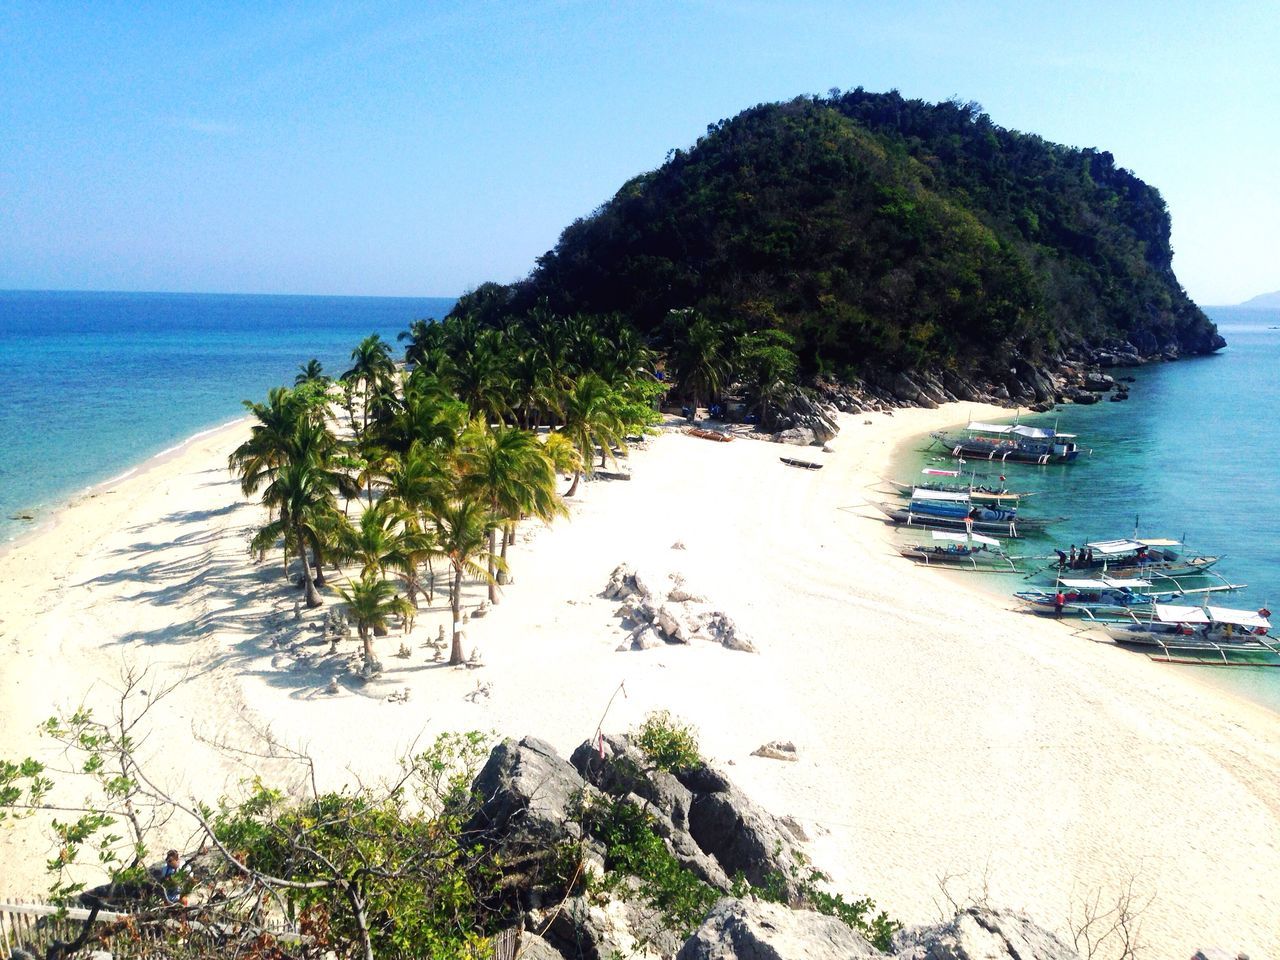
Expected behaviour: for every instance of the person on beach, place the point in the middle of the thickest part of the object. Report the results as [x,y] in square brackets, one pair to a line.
[1062,558]
[171,879]
[1058,601]
[1072,563]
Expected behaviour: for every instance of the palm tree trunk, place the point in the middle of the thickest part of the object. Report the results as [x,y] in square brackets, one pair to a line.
[368,645]
[313,596]
[431,582]
[315,553]
[508,534]
[493,565]
[577,475]
[455,602]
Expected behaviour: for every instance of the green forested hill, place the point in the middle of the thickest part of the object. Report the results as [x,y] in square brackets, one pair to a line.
[884,234]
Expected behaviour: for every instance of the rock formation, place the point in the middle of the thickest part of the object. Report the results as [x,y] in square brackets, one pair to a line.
[660,608]
[532,803]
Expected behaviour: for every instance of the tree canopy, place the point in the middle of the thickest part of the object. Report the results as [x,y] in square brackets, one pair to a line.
[877,233]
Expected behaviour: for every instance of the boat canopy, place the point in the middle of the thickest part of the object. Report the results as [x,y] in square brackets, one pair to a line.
[1110,548]
[1021,430]
[1169,613]
[935,472]
[955,496]
[1239,618]
[963,538]
[1157,542]
[1104,582]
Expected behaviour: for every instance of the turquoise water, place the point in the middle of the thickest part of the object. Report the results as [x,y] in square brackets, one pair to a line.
[93,383]
[1191,455]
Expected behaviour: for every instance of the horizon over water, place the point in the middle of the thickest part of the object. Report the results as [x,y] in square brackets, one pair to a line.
[1191,454]
[96,382]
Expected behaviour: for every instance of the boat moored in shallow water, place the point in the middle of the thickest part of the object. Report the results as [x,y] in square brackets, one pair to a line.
[954,510]
[1010,443]
[1148,558]
[956,481]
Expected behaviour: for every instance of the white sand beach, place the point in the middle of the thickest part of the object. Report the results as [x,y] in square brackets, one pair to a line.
[938,733]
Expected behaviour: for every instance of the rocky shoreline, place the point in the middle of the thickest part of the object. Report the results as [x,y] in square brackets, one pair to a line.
[1077,375]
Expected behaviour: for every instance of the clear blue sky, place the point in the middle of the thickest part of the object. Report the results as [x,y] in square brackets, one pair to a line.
[422,148]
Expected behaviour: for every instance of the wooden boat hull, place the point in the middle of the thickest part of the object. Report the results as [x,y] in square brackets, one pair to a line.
[1243,648]
[985,496]
[1166,570]
[802,464]
[982,561]
[1005,528]
[972,448]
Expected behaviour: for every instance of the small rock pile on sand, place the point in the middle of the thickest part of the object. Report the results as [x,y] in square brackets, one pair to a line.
[660,609]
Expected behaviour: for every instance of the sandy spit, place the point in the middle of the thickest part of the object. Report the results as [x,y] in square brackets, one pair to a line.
[939,735]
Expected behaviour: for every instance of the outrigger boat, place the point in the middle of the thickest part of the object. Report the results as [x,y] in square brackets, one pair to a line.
[960,483]
[1145,558]
[1010,442]
[948,510]
[963,551]
[1217,635]
[1105,597]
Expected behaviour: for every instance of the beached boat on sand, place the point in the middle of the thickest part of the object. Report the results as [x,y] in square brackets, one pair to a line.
[1207,634]
[1106,597]
[962,551]
[1010,443]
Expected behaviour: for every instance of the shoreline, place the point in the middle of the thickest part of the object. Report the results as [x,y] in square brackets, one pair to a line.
[1208,676]
[49,515]
[935,737]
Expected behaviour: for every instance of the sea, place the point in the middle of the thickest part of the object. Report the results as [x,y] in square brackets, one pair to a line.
[92,384]
[1192,455]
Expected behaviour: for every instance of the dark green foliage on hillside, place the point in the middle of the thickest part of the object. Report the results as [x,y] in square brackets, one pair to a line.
[880,234]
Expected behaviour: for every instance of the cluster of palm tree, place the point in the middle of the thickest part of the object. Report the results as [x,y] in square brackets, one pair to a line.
[386,472]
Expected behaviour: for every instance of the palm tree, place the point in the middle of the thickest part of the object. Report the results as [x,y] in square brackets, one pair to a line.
[311,372]
[429,413]
[699,357]
[508,469]
[270,439]
[376,542]
[412,481]
[372,372]
[305,508]
[372,602]
[591,420]
[425,344]
[462,527]
[479,370]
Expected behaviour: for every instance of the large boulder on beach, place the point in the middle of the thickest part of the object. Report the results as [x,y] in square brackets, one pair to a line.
[711,826]
[749,929]
[981,933]
[528,792]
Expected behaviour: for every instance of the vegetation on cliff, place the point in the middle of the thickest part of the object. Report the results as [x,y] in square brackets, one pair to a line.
[874,234]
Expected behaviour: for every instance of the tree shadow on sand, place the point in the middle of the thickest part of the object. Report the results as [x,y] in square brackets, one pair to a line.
[244,613]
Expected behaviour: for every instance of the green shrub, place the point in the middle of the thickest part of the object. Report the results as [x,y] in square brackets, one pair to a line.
[668,744]
[632,848]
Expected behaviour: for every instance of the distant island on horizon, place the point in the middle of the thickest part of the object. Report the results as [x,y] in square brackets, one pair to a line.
[1263,301]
